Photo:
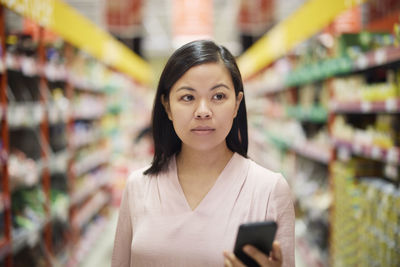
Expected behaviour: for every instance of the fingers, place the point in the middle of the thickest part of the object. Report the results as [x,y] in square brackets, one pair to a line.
[276,252]
[272,260]
[231,260]
[257,255]
[227,263]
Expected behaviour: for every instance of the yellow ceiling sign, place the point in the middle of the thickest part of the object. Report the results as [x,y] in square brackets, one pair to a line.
[308,20]
[79,31]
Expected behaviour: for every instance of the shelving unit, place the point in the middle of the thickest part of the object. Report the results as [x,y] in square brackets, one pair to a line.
[329,122]
[60,110]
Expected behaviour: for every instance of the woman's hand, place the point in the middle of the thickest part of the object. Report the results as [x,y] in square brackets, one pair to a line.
[274,259]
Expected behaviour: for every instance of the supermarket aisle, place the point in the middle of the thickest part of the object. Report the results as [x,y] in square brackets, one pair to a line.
[326,114]
[100,254]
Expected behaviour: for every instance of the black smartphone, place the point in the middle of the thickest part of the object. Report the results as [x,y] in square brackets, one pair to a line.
[258,234]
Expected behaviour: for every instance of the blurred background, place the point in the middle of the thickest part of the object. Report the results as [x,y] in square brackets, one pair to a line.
[77,80]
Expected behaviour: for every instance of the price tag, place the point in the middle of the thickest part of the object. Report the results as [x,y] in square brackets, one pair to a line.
[33,238]
[343,153]
[393,155]
[366,106]
[376,153]
[11,61]
[19,117]
[391,105]
[380,57]
[28,66]
[362,62]
[357,148]
[391,171]
[334,105]
[38,113]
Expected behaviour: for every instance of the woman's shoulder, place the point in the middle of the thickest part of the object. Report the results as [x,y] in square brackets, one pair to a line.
[263,176]
[261,172]
[138,176]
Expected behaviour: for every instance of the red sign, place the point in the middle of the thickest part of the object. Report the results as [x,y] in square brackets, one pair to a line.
[124,17]
[191,20]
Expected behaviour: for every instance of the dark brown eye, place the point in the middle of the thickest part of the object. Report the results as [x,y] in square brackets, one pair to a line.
[187,98]
[219,96]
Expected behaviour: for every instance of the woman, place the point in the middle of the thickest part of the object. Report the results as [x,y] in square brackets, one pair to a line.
[185,209]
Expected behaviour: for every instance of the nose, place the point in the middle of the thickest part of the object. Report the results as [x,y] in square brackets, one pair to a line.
[203,111]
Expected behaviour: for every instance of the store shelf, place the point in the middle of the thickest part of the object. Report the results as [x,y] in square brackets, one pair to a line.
[90,187]
[81,139]
[60,87]
[388,106]
[60,209]
[55,72]
[59,162]
[27,178]
[89,108]
[364,72]
[29,66]
[58,16]
[313,151]
[25,115]
[318,71]
[91,161]
[92,207]
[391,155]
[377,58]
[339,66]
[23,237]
[316,114]
[284,36]
[89,116]
[58,113]
[307,149]
[79,87]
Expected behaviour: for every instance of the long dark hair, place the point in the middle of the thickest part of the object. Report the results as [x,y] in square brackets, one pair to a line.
[166,142]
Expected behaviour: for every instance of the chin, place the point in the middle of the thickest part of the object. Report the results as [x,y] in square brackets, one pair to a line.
[204,147]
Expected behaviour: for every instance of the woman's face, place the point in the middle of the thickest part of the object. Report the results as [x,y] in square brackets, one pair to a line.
[202,105]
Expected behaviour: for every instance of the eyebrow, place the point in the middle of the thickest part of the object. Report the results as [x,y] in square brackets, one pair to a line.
[212,88]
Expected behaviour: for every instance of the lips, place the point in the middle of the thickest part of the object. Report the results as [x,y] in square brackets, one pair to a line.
[202,130]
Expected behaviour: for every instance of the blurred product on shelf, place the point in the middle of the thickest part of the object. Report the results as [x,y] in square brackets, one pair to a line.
[365,218]
[29,216]
[89,183]
[23,171]
[364,92]
[382,134]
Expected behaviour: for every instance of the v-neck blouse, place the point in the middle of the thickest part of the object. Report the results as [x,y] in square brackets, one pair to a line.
[157,227]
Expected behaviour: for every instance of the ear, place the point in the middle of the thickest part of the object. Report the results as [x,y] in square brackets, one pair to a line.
[166,106]
[238,101]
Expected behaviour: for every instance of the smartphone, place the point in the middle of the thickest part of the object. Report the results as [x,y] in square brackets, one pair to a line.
[258,234]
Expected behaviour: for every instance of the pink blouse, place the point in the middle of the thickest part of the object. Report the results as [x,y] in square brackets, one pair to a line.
[156,226]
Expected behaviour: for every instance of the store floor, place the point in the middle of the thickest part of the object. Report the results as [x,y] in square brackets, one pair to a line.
[100,255]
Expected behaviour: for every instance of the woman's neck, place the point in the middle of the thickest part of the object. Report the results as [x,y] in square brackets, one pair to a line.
[203,162]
